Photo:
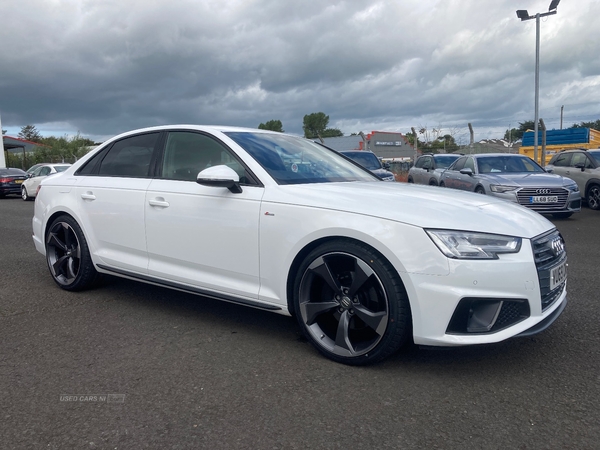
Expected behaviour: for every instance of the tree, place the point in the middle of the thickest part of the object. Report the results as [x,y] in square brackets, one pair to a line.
[517,133]
[30,133]
[273,125]
[315,125]
[593,125]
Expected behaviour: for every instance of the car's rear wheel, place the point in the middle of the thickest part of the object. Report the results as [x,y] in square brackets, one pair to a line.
[24,194]
[432,183]
[351,303]
[68,255]
[593,197]
[410,180]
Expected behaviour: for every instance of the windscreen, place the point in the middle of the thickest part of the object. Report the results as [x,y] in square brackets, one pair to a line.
[507,164]
[293,160]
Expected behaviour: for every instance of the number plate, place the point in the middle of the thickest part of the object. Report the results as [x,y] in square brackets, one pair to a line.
[544,199]
[18,181]
[558,275]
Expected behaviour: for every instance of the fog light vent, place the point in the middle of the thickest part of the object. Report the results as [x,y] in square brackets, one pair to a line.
[486,315]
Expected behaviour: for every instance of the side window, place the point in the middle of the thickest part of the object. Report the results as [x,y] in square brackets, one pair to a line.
[420,162]
[562,160]
[187,154]
[129,157]
[459,164]
[470,164]
[36,172]
[427,163]
[580,158]
[44,171]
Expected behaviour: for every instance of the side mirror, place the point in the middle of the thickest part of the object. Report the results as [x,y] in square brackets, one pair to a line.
[220,176]
[387,165]
[580,166]
[466,171]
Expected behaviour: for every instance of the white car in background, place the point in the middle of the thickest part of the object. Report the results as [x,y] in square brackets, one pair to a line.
[29,186]
[279,223]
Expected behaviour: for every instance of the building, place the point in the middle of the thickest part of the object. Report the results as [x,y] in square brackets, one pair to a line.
[384,144]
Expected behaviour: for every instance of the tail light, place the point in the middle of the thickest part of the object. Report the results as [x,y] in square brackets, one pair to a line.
[5,180]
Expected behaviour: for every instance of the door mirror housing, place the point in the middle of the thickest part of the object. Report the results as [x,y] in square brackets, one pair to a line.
[220,176]
[466,171]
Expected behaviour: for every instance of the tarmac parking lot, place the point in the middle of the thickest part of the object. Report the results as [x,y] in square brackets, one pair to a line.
[129,365]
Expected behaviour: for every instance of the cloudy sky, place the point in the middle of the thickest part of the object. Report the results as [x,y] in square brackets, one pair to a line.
[102,67]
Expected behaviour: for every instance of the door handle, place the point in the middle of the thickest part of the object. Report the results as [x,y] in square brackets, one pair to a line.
[88,196]
[160,202]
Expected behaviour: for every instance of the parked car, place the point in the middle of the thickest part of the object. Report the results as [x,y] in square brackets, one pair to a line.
[10,181]
[428,168]
[583,166]
[279,223]
[516,178]
[32,168]
[29,186]
[371,162]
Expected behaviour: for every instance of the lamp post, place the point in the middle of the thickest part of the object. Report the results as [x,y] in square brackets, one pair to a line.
[524,15]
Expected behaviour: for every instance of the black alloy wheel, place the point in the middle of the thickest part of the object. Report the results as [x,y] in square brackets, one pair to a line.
[351,303]
[479,190]
[593,197]
[68,255]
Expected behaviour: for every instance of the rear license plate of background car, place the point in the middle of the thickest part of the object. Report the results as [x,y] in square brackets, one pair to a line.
[544,199]
[18,181]
[558,275]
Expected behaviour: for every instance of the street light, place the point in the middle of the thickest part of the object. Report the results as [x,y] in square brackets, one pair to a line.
[524,15]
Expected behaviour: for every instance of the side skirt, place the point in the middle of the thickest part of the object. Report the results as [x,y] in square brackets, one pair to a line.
[189,289]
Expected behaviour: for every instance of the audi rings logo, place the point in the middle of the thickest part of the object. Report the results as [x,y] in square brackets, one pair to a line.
[558,246]
[542,191]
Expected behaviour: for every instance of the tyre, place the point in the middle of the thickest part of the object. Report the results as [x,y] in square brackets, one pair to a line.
[410,180]
[350,303]
[564,215]
[442,184]
[68,255]
[432,183]
[479,190]
[24,194]
[593,197]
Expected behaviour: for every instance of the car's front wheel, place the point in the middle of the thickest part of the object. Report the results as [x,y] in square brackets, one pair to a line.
[24,195]
[479,190]
[351,303]
[593,197]
[68,255]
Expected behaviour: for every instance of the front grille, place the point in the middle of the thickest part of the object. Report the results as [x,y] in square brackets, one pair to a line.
[548,256]
[524,198]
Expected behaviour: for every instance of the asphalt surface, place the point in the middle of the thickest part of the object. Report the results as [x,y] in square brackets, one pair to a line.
[129,365]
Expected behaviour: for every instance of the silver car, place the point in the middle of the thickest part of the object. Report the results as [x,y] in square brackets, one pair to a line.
[516,178]
[428,168]
[583,166]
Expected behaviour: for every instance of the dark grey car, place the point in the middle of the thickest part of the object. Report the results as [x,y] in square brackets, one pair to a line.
[371,162]
[516,178]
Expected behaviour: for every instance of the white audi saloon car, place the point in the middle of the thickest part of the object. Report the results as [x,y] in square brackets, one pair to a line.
[277,222]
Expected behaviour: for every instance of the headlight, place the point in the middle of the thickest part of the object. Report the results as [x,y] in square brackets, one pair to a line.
[500,188]
[468,245]
[572,187]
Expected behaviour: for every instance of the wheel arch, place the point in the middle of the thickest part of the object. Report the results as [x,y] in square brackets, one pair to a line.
[304,251]
[589,183]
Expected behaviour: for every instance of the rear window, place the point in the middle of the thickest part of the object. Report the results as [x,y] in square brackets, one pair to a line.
[61,168]
[12,172]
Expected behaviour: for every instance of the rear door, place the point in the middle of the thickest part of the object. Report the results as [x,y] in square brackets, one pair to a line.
[111,190]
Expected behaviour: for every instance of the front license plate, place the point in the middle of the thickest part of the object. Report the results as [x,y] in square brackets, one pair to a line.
[18,181]
[544,199]
[558,275]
